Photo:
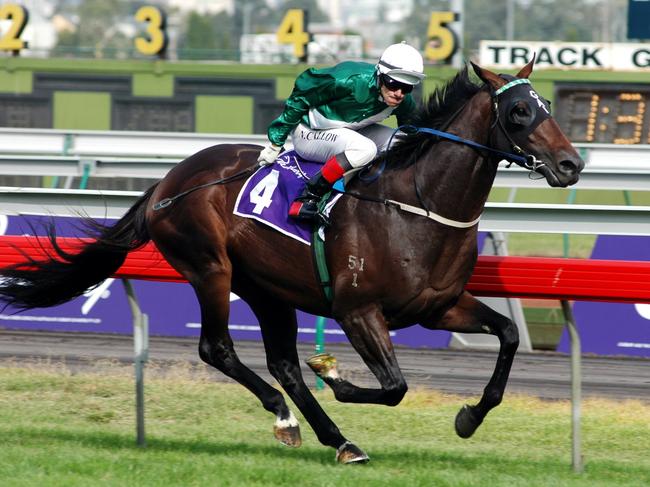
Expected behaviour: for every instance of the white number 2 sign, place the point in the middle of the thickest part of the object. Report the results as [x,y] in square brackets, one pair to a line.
[261,194]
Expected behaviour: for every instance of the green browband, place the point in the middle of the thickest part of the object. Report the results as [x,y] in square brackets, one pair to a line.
[511,84]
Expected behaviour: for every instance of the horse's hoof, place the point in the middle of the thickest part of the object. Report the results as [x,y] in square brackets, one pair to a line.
[324,365]
[466,422]
[289,435]
[350,453]
[287,430]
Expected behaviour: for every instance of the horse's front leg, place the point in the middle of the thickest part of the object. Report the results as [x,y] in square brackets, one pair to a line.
[367,331]
[470,315]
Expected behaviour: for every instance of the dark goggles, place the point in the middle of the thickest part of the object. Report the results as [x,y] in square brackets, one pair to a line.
[394,85]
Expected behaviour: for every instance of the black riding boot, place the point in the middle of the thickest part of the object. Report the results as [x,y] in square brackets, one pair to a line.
[305,206]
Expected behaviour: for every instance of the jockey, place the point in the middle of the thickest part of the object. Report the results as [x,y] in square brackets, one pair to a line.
[333,117]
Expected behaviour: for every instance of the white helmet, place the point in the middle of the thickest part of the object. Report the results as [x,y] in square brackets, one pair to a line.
[402,63]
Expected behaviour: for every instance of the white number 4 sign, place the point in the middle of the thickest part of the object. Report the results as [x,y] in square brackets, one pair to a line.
[261,194]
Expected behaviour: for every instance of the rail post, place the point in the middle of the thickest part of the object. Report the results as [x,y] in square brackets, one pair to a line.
[573,194]
[86,168]
[576,387]
[141,355]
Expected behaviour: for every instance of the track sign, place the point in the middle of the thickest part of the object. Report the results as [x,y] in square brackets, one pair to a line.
[442,41]
[293,30]
[155,43]
[17,15]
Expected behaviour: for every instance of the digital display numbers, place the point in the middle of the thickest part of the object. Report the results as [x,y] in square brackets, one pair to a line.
[603,112]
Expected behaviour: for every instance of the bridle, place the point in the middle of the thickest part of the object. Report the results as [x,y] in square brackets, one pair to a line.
[516,154]
[529,161]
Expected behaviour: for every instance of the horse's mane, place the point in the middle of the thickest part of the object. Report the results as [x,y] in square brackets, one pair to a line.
[434,113]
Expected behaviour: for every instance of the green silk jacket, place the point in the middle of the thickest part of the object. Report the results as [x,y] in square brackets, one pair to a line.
[345,95]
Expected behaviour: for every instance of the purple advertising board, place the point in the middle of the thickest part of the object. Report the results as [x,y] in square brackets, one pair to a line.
[614,328]
[172,307]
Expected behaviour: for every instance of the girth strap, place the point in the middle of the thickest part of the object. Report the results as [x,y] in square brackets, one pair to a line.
[318,254]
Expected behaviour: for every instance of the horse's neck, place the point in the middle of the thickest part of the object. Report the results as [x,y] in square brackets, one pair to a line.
[453,179]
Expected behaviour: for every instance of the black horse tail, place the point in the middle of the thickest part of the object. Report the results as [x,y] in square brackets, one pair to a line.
[62,276]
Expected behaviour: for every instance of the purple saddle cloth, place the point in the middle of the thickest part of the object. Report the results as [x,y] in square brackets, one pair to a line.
[268,193]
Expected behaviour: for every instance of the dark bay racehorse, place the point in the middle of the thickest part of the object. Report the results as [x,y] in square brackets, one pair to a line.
[390,267]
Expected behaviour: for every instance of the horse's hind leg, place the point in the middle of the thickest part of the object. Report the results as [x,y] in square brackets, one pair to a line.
[469,315]
[279,329]
[216,348]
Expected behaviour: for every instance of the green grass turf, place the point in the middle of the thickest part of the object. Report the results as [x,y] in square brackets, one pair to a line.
[63,429]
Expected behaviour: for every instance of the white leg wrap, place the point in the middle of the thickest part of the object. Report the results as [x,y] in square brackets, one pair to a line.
[286,423]
[332,373]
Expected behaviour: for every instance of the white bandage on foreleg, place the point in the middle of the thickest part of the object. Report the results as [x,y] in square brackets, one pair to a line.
[291,421]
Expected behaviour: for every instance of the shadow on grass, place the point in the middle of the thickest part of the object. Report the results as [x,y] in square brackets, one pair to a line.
[113,441]
[517,466]
[381,457]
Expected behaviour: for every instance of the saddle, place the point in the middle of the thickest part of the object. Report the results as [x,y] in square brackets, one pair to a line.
[267,195]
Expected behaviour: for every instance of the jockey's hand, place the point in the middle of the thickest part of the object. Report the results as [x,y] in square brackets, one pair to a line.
[269,154]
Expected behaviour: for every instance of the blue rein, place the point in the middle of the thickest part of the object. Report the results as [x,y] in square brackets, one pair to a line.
[523,161]
[527,161]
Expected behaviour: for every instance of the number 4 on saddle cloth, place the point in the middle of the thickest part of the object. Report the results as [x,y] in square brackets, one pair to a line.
[268,193]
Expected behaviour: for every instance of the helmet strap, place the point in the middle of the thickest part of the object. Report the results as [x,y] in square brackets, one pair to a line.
[389,66]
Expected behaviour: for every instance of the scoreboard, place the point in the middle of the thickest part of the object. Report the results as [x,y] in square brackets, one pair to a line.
[608,113]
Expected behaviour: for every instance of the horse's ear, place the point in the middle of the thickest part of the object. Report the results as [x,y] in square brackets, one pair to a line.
[526,70]
[490,78]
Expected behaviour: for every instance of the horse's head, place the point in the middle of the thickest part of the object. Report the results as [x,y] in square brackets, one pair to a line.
[524,126]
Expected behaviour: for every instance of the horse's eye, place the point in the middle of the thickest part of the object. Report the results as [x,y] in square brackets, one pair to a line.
[521,113]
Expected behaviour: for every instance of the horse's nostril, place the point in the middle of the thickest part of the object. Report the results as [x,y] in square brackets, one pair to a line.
[569,167]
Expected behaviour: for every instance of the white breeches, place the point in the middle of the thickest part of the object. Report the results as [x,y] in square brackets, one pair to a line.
[360,147]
